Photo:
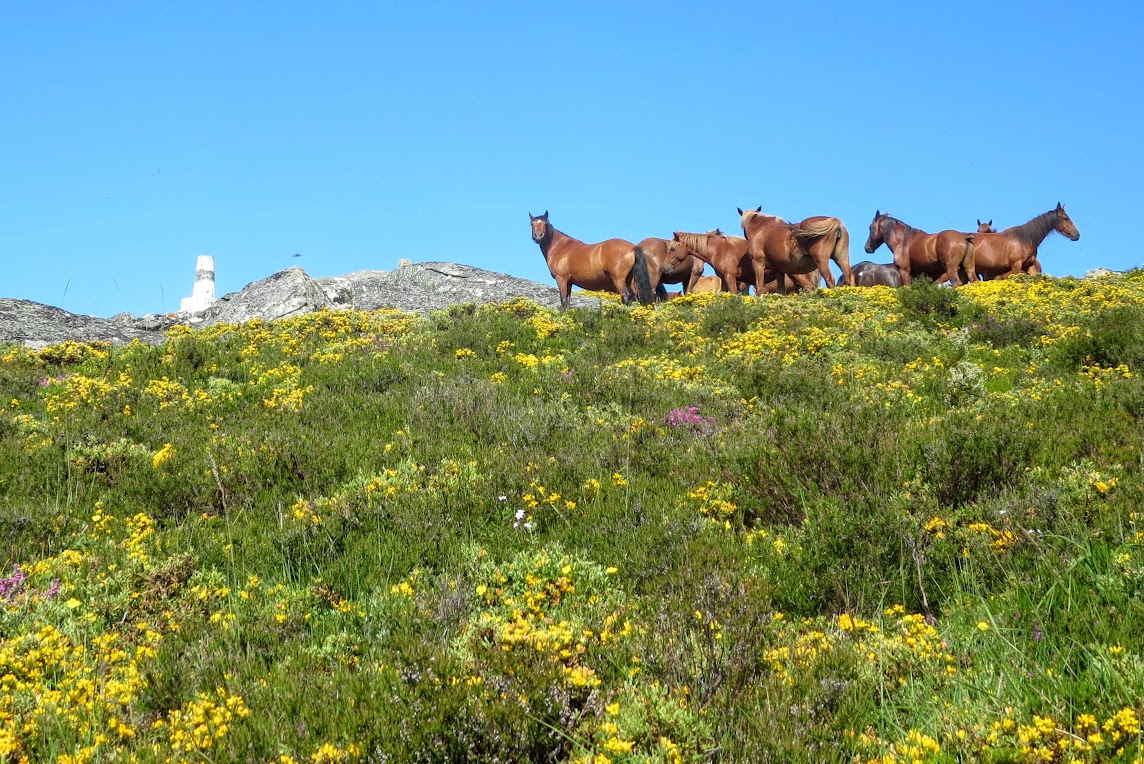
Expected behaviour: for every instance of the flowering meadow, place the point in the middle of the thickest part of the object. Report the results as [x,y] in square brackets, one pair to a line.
[857,525]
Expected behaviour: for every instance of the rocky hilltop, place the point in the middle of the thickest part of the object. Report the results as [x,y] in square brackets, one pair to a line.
[418,287]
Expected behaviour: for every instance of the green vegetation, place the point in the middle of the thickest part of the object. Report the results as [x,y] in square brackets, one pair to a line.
[849,526]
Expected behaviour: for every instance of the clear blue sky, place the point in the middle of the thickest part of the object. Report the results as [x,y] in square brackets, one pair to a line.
[139,135]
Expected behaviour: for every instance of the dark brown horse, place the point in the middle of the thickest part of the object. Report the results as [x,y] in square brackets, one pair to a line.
[731,258]
[669,262]
[1014,250]
[614,265]
[942,255]
[868,274]
[792,249]
[985,227]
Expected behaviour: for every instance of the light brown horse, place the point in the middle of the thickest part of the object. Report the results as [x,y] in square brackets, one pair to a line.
[707,284]
[942,255]
[792,249]
[669,262]
[614,265]
[731,258]
[1014,250]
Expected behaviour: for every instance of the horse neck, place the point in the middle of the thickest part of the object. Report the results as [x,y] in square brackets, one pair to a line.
[757,221]
[554,241]
[898,234]
[1034,232]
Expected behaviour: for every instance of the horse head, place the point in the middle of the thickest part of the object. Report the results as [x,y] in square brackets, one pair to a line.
[1065,224]
[985,227]
[877,231]
[541,229]
[745,217]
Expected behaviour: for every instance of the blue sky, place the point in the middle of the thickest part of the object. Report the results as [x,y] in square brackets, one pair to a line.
[138,136]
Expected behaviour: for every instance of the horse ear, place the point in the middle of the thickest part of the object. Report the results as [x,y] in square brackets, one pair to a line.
[759,208]
[978,221]
[1060,206]
[545,215]
[531,217]
[739,211]
[877,213]
[990,223]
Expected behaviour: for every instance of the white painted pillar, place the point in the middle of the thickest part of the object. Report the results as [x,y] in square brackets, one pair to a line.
[203,294]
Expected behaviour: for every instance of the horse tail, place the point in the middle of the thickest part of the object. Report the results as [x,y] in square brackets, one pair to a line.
[841,253]
[969,260]
[818,228]
[641,279]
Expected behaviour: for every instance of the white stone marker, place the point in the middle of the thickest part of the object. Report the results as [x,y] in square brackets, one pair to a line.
[203,295]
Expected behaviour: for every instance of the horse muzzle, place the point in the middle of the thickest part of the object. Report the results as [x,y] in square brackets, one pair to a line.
[869,249]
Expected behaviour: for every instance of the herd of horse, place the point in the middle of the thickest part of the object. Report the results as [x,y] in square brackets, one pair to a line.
[771,250]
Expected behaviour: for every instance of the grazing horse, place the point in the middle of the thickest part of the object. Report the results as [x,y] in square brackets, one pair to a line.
[669,262]
[917,253]
[707,284]
[868,274]
[1014,250]
[731,258]
[614,265]
[792,249]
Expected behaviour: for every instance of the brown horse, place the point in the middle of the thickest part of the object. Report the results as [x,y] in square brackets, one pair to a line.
[669,262]
[731,259]
[614,265]
[917,253]
[728,255]
[1033,270]
[1014,250]
[792,249]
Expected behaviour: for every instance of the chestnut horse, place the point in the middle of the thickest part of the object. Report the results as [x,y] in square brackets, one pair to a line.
[614,265]
[867,274]
[985,227]
[1014,250]
[792,249]
[669,262]
[917,253]
[731,259]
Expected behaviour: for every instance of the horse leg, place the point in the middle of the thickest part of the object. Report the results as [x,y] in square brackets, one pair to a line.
[565,287]
[761,277]
[731,280]
[621,286]
[951,266]
[902,262]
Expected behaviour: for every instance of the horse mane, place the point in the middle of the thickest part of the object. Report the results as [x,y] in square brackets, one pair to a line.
[695,241]
[1034,232]
[888,225]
